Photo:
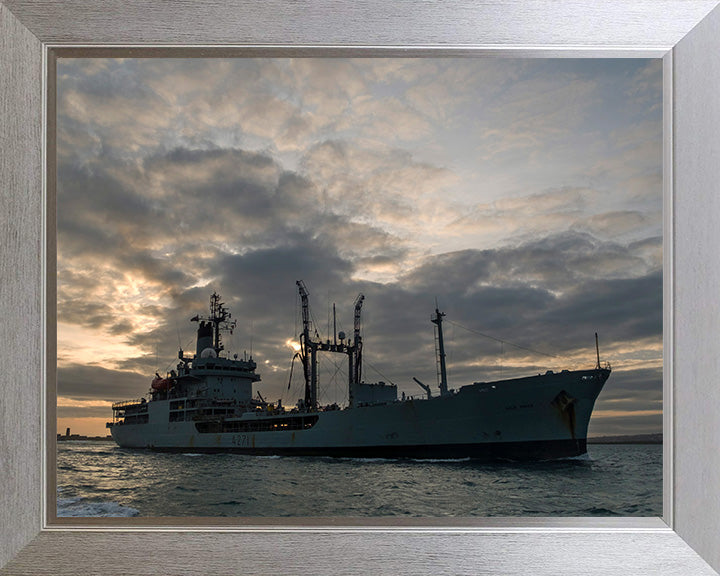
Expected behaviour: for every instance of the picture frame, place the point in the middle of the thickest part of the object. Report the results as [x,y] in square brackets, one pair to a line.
[683,33]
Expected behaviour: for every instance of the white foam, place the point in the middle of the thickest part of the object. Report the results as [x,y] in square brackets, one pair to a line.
[81,507]
[581,458]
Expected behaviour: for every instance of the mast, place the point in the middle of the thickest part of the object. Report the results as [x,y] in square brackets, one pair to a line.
[597,351]
[217,322]
[334,326]
[437,320]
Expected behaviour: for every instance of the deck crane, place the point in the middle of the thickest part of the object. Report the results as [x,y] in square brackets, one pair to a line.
[307,350]
[310,346]
[355,351]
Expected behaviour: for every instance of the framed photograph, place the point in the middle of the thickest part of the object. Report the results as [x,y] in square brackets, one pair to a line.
[32,535]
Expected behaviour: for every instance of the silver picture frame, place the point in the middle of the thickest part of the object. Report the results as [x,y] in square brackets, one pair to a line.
[684,33]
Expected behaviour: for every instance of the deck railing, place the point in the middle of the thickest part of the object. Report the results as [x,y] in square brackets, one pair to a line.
[127,404]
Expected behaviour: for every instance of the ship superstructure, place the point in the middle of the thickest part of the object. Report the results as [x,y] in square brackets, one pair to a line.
[207,405]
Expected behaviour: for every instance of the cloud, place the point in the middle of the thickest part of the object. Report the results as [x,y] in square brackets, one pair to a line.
[75,411]
[633,390]
[555,285]
[85,382]
[524,195]
[556,211]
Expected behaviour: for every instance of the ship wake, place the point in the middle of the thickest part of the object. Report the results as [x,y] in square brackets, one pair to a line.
[78,507]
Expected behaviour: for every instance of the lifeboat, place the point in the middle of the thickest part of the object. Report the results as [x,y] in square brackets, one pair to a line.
[161,384]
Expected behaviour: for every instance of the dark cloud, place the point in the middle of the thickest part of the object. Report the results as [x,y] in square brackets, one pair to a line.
[475,288]
[268,215]
[84,412]
[533,293]
[84,382]
[632,390]
[121,328]
[621,309]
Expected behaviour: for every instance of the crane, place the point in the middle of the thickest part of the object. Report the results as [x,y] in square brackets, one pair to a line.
[357,342]
[309,348]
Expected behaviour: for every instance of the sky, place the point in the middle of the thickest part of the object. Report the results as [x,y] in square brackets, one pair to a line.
[524,196]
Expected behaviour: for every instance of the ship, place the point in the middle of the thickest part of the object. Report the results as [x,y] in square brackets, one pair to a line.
[207,405]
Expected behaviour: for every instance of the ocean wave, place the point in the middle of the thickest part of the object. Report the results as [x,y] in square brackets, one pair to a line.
[600,511]
[396,459]
[433,460]
[351,459]
[82,507]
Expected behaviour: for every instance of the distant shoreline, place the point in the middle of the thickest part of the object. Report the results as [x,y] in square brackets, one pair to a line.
[61,438]
[633,439]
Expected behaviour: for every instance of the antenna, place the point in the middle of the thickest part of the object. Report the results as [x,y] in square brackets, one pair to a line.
[597,351]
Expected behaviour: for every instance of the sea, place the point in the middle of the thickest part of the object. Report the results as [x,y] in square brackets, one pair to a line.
[97,478]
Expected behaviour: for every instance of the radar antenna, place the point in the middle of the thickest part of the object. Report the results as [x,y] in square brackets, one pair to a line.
[220,319]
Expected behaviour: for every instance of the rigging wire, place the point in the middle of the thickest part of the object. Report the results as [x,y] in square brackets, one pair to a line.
[172,362]
[323,360]
[297,312]
[365,362]
[323,390]
[501,341]
[291,391]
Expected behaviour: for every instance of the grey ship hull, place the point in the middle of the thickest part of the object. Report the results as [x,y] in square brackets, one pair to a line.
[535,418]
